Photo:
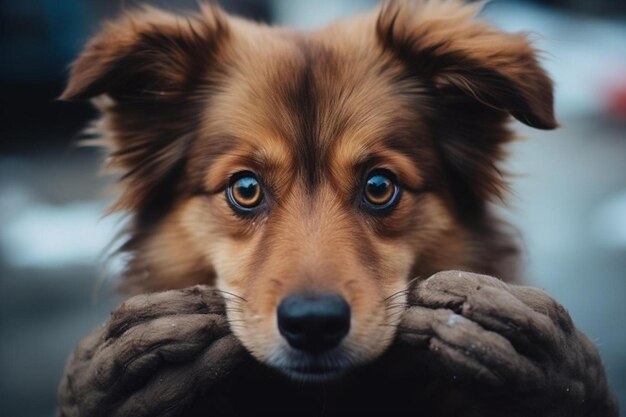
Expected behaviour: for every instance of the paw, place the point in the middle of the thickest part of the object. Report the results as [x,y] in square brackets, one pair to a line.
[517,341]
[156,353]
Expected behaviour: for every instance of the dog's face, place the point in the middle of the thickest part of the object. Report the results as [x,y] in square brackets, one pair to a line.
[310,176]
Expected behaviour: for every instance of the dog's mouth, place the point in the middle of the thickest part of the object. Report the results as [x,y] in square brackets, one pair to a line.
[313,372]
[309,368]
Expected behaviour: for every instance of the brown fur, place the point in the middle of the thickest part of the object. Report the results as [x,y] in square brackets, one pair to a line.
[421,88]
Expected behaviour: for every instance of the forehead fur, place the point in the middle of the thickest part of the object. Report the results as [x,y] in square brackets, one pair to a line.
[311,99]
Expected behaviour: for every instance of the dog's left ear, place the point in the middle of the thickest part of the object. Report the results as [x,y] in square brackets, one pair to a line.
[443,43]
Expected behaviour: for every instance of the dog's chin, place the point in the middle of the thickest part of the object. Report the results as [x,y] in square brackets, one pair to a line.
[304,367]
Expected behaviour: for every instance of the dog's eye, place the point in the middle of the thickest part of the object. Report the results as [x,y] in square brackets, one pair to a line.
[381,191]
[244,192]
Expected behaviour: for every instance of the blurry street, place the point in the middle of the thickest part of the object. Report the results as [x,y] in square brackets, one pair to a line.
[50,289]
[568,201]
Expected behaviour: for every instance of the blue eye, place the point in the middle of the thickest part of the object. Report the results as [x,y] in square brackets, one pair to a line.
[381,191]
[244,192]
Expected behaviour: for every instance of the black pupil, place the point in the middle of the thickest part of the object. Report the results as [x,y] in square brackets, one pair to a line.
[378,186]
[247,188]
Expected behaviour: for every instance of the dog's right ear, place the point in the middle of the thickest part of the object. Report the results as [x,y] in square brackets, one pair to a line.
[446,45]
[147,53]
[477,76]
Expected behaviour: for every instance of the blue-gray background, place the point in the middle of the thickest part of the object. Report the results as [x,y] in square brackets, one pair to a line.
[569,198]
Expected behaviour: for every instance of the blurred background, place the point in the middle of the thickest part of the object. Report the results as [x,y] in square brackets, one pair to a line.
[569,185]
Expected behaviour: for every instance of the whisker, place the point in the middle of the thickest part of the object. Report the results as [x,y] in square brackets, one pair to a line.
[398,311]
[403,291]
[395,316]
[396,294]
[395,305]
[239,297]
[412,281]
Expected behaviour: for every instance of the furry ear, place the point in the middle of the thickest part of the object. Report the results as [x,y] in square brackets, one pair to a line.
[154,69]
[147,52]
[443,42]
[476,76]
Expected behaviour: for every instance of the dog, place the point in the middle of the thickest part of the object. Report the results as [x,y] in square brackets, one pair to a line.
[313,174]
[326,184]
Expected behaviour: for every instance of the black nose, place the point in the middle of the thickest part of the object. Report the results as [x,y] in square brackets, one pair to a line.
[314,322]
